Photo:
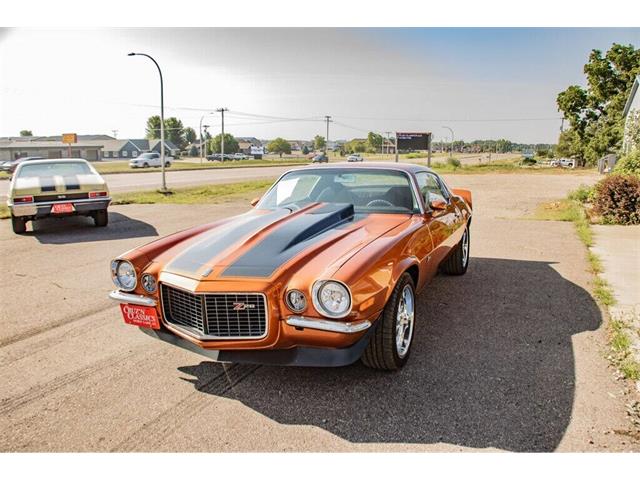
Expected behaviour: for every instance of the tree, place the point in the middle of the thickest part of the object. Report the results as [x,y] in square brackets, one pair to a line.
[279,145]
[190,135]
[230,144]
[173,130]
[26,133]
[305,150]
[374,141]
[595,113]
[319,142]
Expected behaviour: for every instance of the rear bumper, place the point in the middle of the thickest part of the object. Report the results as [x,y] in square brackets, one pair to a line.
[297,356]
[43,209]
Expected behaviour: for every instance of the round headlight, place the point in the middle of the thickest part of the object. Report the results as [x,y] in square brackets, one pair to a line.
[296,301]
[124,275]
[331,298]
[148,282]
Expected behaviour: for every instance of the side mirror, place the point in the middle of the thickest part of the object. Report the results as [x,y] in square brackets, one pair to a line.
[255,201]
[437,204]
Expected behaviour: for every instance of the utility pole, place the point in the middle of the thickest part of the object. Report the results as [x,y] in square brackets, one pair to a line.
[115,133]
[387,143]
[326,141]
[222,110]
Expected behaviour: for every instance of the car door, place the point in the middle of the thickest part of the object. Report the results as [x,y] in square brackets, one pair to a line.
[442,223]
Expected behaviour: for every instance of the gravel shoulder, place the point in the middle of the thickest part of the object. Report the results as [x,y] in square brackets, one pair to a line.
[508,357]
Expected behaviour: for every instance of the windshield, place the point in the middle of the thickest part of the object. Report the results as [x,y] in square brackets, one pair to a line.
[147,155]
[368,190]
[54,168]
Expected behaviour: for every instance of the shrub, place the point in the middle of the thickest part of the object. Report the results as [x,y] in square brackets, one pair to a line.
[529,161]
[617,199]
[629,163]
[583,194]
[454,162]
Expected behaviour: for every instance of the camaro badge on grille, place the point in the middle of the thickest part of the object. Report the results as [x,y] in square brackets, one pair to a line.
[242,306]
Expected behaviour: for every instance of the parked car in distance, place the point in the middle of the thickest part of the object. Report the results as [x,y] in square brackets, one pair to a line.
[567,162]
[9,166]
[239,156]
[355,157]
[213,157]
[57,188]
[323,271]
[320,158]
[149,159]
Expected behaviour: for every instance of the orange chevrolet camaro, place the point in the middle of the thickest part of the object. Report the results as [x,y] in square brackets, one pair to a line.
[323,271]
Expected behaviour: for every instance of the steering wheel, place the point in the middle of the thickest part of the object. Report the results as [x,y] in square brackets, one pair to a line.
[379,202]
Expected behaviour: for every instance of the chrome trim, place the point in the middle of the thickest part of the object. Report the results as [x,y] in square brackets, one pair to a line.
[178,281]
[114,276]
[316,301]
[122,297]
[328,325]
[46,204]
[198,335]
[290,306]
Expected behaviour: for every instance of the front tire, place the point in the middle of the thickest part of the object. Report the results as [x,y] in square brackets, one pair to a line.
[19,224]
[101,218]
[390,344]
[458,261]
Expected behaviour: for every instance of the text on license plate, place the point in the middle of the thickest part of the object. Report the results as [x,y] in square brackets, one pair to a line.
[140,316]
[62,208]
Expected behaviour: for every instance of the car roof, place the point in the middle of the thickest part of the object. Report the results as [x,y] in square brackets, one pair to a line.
[405,167]
[57,160]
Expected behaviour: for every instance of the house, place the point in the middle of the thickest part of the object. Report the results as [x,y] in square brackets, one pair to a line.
[631,114]
[131,148]
[245,144]
[17,148]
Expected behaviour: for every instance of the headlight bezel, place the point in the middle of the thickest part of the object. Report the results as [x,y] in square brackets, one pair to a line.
[289,303]
[317,302]
[115,264]
[153,279]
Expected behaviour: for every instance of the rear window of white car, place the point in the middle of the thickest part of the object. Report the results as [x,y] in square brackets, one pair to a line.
[51,169]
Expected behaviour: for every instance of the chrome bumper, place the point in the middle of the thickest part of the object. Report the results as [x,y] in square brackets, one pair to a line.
[328,325]
[122,297]
[42,209]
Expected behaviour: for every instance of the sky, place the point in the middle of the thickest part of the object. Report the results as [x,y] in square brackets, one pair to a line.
[484,83]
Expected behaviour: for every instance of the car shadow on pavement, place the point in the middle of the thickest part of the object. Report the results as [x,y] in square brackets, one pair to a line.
[492,366]
[81,229]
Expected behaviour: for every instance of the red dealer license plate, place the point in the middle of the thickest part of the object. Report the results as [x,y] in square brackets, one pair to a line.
[62,208]
[140,316]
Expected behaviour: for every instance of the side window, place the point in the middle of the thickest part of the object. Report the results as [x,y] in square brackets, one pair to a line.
[430,187]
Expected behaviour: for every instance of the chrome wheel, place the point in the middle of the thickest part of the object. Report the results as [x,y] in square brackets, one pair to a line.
[404,321]
[465,247]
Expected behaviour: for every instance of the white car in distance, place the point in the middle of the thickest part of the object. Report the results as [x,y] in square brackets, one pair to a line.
[149,159]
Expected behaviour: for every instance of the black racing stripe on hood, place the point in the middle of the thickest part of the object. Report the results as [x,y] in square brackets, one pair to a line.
[47,184]
[290,238]
[219,239]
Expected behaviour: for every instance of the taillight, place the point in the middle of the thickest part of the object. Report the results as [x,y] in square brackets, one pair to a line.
[25,199]
[97,194]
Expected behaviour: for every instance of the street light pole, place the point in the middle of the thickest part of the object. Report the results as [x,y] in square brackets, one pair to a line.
[164,179]
[222,110]
[202,118]
[326,142]
[452,139]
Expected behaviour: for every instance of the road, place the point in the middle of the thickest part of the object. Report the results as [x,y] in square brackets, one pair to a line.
[128,182]
[507,357]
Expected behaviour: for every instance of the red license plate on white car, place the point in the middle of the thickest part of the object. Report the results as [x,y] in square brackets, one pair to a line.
[140,316]
[62,208]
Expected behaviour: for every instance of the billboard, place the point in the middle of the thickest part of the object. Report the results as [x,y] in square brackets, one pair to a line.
[413,140]
[69,138]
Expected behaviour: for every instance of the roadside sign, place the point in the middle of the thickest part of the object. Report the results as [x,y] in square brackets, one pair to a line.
[69,138]
[413,140]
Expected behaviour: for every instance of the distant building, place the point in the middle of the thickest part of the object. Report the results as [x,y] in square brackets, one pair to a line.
[245,144]
[631,114]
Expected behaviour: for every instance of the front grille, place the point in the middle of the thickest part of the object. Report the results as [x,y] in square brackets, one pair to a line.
[216,315]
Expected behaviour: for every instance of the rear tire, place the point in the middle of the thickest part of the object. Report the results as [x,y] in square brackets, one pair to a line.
[458,261]
[167,164]
[390,345]
[19,224]
[101,218]
[145,165]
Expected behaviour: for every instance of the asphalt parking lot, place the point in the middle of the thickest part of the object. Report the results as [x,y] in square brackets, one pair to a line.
[508,357]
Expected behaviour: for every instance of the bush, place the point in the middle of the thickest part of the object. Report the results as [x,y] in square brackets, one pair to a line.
[617,199]
[454,162]
[630,163]
[415,155]
[584,194]
[528,161]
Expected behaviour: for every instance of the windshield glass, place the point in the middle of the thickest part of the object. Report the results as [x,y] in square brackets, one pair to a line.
[147,155]
[54,168]
[369,190]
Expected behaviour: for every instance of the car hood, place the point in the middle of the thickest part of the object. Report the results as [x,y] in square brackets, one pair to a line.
[266,243]
[57,184]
